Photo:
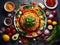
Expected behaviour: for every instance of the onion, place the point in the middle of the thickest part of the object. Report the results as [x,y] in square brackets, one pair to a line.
[3,29]
[39,32]
[51,16]
[46,32]
[46,37]
[54,12]
[1,32]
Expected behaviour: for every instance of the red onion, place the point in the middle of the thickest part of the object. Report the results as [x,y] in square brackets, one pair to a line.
[39,32]
[54,12]
[51,16]
[3,29]
[46,32]
[1,32]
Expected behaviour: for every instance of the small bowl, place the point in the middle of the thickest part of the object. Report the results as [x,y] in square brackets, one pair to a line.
[8,21]
[12,4]
[51,7]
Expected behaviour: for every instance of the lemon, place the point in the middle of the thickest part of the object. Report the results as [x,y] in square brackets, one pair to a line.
[6,38]
[54,23]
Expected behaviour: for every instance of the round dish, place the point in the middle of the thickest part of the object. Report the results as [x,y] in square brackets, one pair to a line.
[7,21]
[51,7]
[10,6]
[26,31]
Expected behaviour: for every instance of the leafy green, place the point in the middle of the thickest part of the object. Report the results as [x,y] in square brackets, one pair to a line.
[55,35]
[17,14]
[40,12]
[30,21]
[52,36]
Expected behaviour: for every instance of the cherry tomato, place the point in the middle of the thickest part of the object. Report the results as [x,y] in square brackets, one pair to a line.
[21,9]
[14,31]
[12,27]
[25,40]
[10,34]
[7,30]
[34,3]
[17,19]
[43,35]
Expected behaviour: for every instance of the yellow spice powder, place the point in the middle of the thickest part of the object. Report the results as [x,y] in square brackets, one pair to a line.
[9,6]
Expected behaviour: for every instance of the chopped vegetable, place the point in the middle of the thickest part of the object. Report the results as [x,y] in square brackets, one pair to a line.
[47,13]
[51,3]
[50,27]
[46,32]
[30,21]
[34,34]
[15,37]
[17,19]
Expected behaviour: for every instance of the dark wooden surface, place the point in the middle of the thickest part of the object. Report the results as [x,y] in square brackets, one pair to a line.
[3,14]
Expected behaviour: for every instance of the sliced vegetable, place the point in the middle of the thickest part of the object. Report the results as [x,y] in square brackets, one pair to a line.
[50,27]
[15,37]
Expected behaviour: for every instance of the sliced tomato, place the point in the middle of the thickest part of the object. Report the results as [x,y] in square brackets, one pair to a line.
[17,19]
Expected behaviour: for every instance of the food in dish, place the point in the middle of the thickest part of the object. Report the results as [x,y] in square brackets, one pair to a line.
[9,6]
[30,20]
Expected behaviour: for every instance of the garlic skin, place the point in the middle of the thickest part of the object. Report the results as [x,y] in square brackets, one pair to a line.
[46,32]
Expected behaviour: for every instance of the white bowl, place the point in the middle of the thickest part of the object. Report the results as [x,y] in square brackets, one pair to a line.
[51,7]
[6,23]
[7,9]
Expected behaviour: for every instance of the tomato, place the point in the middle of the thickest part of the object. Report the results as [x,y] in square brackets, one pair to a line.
[12,27]
[17,19]
[21,9]
[13,31]
[34,3]
[10,34]
[43,35]
[7,30]
[25,40]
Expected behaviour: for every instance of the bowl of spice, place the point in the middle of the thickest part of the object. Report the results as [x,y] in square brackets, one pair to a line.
[51,4]
[8,21]
[9,6]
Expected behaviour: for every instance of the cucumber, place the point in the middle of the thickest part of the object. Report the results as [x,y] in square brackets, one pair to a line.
[53,34]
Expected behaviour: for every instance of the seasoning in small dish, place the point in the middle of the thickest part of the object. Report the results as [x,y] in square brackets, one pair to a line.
[9,6]
[7,21]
